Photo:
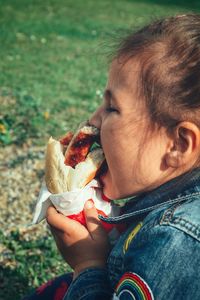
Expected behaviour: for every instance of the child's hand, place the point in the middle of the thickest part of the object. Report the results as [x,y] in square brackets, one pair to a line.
[81,247]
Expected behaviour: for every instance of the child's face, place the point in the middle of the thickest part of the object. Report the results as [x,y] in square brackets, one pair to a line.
[134,156]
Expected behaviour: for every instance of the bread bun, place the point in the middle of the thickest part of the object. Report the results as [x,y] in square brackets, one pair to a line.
[56,172]
[86,170]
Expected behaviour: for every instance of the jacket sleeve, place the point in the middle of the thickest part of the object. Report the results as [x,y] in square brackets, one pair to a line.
[161,263]
[91,284]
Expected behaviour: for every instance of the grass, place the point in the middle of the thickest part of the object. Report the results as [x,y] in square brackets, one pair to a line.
[53,72]
[53,55]
[26,264]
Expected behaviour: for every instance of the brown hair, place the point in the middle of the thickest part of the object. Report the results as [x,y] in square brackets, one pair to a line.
[169,54]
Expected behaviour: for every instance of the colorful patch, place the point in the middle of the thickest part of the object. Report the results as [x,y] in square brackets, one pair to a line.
[132,286]
[131,236]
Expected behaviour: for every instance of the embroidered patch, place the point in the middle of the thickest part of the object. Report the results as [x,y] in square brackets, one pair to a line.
[131,237]
[132,286]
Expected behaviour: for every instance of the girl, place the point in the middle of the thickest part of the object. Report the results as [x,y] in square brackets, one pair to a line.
[149,124]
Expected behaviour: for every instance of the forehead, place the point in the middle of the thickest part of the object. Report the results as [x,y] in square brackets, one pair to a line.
[124,75]
[124,84]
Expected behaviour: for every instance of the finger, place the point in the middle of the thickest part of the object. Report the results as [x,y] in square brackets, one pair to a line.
[56,235]
[59,221]
[92,221]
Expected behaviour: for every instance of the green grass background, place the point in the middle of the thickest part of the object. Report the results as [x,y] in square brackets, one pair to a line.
[53,69]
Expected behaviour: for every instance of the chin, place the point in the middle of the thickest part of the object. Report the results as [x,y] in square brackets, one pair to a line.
[109,195]
[108,188]
[111,192]
[103,181]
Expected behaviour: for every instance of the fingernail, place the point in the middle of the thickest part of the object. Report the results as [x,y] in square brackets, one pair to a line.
[89,204]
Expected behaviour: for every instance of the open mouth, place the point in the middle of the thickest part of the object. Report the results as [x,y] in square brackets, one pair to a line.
[102,172]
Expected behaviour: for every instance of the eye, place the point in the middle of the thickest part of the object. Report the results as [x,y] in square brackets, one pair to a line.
[111,109]
[109,102]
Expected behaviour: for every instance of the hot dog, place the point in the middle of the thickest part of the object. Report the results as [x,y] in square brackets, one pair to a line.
[70,162]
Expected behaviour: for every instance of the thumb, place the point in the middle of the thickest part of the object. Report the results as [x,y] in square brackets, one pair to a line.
[92,221]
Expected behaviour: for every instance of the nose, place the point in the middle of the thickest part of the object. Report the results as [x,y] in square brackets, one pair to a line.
[95,118]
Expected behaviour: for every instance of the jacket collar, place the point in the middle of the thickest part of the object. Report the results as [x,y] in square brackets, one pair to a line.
[177,190]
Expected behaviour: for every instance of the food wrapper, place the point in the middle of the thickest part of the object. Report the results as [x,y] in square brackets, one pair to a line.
[72,204]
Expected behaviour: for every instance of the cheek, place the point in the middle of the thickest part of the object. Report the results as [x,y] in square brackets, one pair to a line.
[120,143]
[151,164]
[113,144]
[109,134]
[122,160]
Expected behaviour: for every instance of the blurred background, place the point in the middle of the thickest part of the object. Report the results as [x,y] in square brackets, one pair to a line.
[53,69]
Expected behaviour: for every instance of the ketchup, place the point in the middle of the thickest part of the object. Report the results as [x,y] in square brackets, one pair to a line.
[79,150]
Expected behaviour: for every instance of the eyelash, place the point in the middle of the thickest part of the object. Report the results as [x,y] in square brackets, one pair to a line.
[110,109]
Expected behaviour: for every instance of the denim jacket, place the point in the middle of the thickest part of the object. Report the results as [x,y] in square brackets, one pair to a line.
[158,256]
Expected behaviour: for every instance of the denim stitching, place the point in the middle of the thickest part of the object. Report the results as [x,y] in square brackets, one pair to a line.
[168,214]
[126,216]
[194,229]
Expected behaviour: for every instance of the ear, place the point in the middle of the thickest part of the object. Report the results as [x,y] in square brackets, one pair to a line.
[184,148]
